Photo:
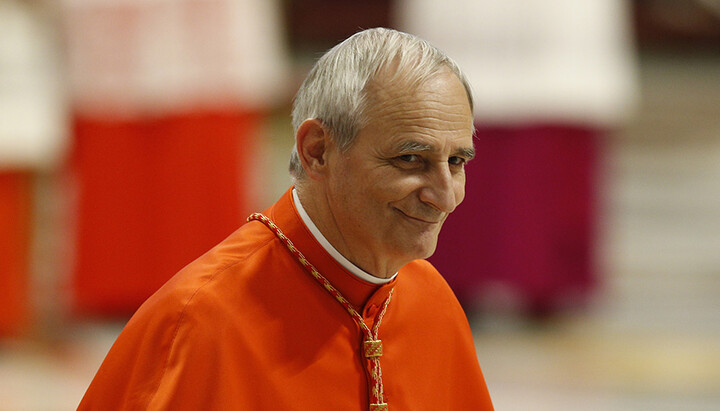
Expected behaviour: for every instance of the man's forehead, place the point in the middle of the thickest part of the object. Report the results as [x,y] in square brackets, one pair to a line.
[390,82]
[401,100]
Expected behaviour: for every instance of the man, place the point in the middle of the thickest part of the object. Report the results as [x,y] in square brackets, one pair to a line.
[322,301]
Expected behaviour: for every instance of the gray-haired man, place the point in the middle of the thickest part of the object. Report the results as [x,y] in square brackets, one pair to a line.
[324,301]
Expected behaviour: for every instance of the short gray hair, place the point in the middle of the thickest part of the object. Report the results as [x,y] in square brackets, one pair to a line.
[335,90]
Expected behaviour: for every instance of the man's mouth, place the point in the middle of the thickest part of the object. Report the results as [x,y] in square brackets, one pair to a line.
[422,219]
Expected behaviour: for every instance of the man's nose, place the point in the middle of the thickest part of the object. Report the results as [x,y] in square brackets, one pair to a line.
[441,192]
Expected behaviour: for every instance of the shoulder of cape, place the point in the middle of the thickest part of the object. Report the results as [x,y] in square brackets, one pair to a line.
[200,276]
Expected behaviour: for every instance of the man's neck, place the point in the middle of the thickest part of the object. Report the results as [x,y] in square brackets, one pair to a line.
[306,210]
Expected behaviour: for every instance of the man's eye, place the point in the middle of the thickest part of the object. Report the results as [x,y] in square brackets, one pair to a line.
[456,161]
[408,158]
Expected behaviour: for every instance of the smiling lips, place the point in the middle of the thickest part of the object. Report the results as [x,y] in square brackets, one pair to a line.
[436,219]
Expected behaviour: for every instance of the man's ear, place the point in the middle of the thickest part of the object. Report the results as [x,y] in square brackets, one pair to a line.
[313,142]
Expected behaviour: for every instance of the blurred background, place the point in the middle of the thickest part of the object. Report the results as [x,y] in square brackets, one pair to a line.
[136,134]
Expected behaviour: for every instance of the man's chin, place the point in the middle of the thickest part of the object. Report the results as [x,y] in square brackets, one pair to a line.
[422,250]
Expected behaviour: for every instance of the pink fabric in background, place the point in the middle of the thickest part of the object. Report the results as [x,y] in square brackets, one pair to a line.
[525,234]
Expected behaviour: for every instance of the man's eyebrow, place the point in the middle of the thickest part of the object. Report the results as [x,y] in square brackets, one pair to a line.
[411,146]
[468,153]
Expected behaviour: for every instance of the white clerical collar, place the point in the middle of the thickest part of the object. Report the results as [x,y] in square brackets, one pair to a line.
[357,271]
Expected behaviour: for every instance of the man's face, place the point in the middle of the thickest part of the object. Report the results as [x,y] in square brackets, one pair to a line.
[392,190]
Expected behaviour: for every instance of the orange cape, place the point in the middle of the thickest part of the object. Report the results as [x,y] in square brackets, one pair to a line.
[245,327]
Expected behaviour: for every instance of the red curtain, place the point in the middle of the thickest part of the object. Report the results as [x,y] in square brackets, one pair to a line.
[154,194]
[15,234]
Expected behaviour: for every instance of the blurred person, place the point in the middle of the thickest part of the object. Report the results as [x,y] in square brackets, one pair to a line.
[324,301]
[551,78]
[33,138]
[168,103]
